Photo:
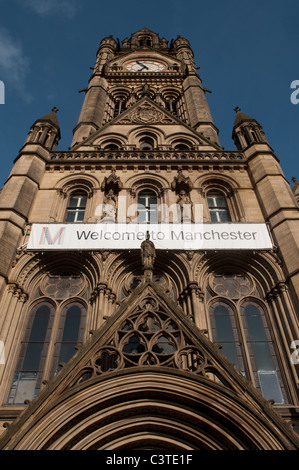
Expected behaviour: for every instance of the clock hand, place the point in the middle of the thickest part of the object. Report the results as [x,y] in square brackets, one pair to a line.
[143,66]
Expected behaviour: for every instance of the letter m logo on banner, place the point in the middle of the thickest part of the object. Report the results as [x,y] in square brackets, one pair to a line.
[49,238]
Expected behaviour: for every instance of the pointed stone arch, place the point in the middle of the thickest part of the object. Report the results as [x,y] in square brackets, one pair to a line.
[200,403]
[117,267]
[265,267]
[30,266]
[263,284]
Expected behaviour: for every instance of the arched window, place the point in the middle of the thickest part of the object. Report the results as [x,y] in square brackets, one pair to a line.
[225,333]
[111,147]
[171,105]
[120,98]
[171,98]
[218,207]
[70,333]
[239,326]
[261,352]
[76,207]
[29,371]
[181,146]
[147,207]
[119,106]
[53,331]
[147,143]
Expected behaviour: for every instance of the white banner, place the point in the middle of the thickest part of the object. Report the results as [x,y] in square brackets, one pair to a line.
[95,237]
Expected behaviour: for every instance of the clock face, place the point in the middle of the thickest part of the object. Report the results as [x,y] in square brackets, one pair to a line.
[145,66]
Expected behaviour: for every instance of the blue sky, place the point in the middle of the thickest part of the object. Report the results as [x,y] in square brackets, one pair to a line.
[247,52]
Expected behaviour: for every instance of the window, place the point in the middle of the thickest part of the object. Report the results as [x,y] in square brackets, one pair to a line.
[171,99]
[76,207]
[119,99]
[218,207]
[69,334]
[261,352]
[112,145]
[29,372]
[50,328]
[171,106]
[182,147]
[147,143]
[147,207]
[119,107]
[239,325]
[225,332]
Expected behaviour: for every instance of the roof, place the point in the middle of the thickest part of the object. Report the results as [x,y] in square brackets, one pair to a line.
[241,117]
[50,117]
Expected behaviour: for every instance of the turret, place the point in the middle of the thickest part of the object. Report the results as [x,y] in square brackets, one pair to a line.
[247,131]
[273,193]
[45,131]
[183,51]
[21,187]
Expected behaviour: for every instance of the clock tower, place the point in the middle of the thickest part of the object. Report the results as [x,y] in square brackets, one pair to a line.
[149,278]
[146,65]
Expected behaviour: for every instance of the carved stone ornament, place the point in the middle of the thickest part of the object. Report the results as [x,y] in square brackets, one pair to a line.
[146,114]
[149,334]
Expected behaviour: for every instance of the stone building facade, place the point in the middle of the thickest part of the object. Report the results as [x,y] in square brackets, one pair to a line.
[131,347]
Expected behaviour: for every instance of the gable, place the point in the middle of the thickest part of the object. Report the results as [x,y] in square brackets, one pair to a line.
[144,112]
[151,330]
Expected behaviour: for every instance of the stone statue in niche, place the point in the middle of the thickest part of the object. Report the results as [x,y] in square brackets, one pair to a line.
[185,207]
[148,253]
[111,187]
[110,207]
[182,186]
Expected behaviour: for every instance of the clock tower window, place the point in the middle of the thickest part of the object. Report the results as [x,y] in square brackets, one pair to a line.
[171,106]
[120,106]
[147,143]
[120,98]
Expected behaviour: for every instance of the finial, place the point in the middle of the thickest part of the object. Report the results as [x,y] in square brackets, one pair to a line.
[294,179]
[237,109]
[55,109]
